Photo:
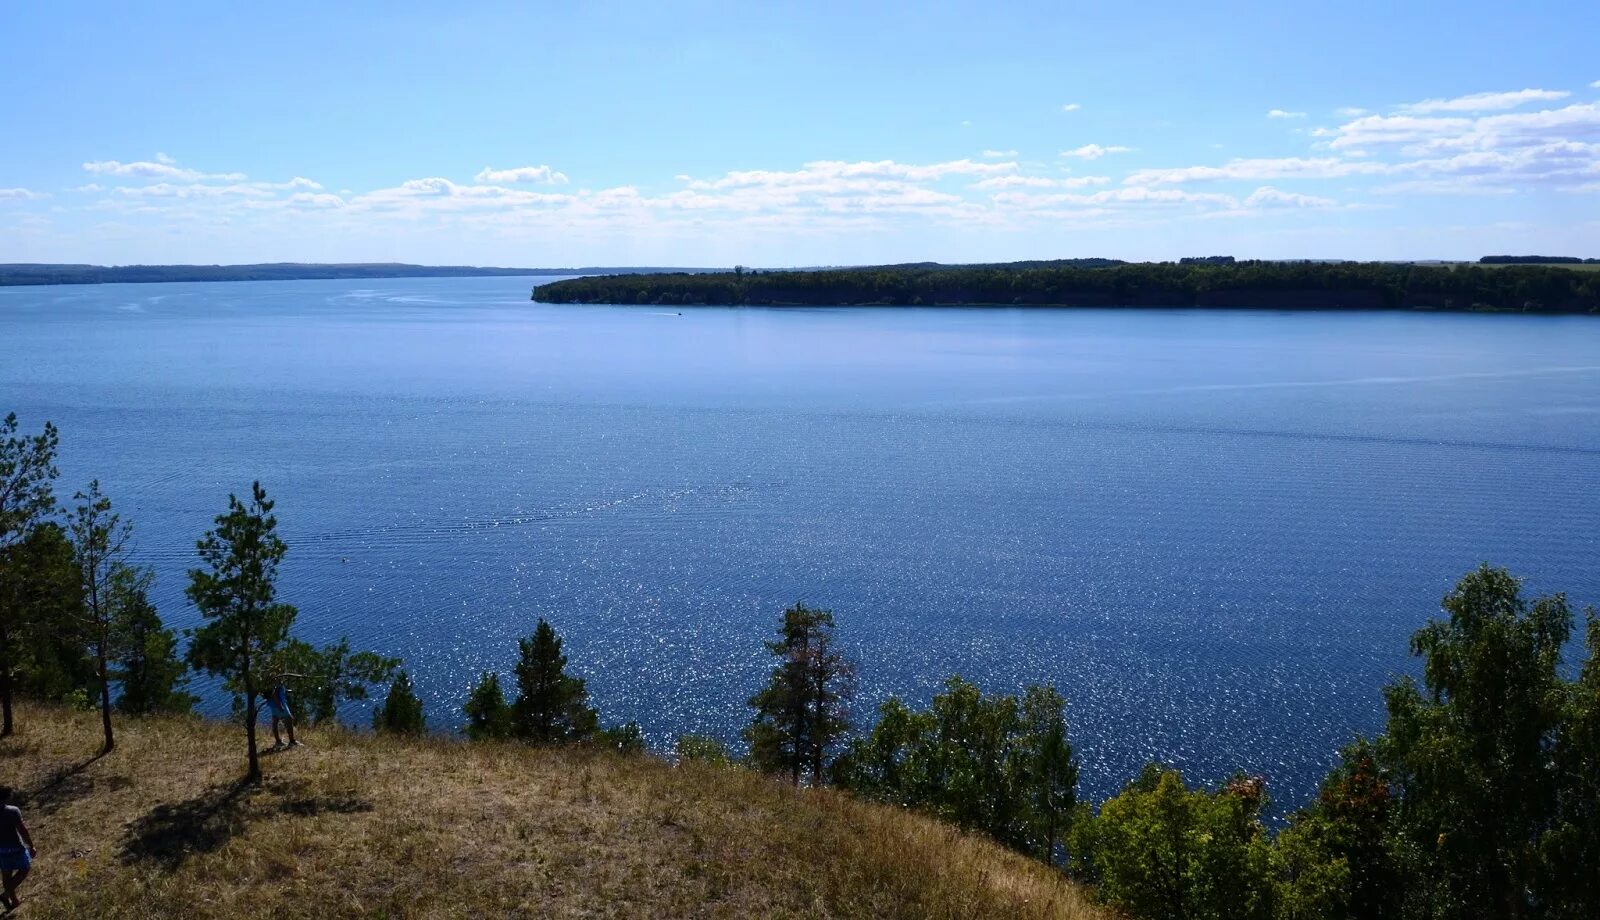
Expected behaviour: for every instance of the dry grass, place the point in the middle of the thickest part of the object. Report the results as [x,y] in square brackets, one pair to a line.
[354,826]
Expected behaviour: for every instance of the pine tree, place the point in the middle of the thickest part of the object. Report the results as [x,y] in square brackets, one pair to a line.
[488,713]
[41,613]
[801,713]
[1050,769]
[27,469]
[401,712]
[146,663]
[551,704]
[99,543]
[237,595]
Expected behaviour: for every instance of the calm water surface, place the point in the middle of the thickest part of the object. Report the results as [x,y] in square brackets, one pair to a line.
[1213,531]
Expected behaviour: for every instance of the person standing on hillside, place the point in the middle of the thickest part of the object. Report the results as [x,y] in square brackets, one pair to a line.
[16,850]
[278,702]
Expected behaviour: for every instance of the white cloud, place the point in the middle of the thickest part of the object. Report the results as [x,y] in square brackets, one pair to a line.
[20,194]
[1071,107]
[1484,102]
[1350,111]
[1424,134]
[1258,169]
[1135,196]
[160,168]
[1269,197]
[541,173]
[840,174]
[195,190]
[998,154]
[998,182]
[1550,163]
[1093,151]
[1595,85]
[316,200]
[1280,113]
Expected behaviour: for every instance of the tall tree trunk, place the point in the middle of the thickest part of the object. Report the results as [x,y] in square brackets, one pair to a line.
[254,774]
[105,701]
[5,682]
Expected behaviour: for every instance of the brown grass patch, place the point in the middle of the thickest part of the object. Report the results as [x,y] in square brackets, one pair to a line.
[356,826]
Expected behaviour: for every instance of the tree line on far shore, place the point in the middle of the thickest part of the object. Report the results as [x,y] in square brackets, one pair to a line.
[1480,798]
[1210,282]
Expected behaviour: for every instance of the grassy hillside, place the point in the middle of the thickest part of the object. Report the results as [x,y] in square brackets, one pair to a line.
[353,825]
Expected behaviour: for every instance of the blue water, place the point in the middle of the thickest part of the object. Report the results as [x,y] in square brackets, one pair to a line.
[1213,531]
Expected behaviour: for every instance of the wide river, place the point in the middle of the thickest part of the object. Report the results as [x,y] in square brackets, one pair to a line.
[1212,531]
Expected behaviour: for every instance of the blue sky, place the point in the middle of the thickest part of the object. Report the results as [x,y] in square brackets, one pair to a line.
[795,134]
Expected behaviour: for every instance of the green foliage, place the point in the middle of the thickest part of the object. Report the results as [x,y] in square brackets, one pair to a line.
[703,749]
[1570,849]
[1470,757]
[1100,282]
[145,653]
[80,699]
[1333,858]
[552,705]
[625,738]
[988,763]
[99,543]
[319,680]
[1160,849]
[27,470]
[488,713]
[41,613]
[236,593]
[802,712]
[1311,879]
[401,711]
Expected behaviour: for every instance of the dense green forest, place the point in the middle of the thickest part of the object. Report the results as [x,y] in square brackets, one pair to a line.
[1537,260]
[1479,798]
[1104,283]
[44,273]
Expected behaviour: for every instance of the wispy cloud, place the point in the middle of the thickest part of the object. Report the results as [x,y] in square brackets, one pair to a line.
[162,167]
[1484,102]
[1269,197]
[1002,182]
[1071,107]
[998,154]
[1280,113]
[1428,133]
[522,174]
[1256,170]
[1094,151]
[20,194]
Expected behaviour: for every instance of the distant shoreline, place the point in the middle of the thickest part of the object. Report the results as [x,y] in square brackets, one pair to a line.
[1345,286]
[17,274]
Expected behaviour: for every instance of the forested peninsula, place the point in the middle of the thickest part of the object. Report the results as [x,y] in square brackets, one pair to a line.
[1107,283]
[49,273]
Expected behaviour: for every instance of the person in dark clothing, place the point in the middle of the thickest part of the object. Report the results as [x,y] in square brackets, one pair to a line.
[16,850]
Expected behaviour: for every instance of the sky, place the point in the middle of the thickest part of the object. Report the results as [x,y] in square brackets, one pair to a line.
[766,134]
